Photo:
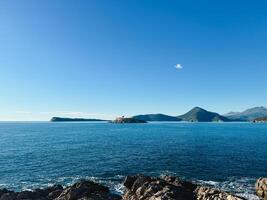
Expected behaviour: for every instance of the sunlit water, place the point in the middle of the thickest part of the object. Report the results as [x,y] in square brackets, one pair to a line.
[230,156]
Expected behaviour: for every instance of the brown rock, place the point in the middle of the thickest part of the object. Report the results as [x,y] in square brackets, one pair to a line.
[54,194]
[4,191]
[149,188]
[86,190]
[261,188]
[28,195]
[142,187]
[9,196]
[203,193]
[179,182]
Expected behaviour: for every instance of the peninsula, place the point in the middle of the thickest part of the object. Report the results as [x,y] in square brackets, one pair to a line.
[62,119]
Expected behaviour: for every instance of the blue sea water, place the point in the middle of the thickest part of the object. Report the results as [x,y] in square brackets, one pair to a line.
[229,156]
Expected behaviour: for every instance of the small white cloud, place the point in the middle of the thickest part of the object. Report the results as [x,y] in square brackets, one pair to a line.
[178,66]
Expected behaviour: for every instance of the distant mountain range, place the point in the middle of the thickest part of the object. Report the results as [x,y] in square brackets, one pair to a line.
[248,115]
[197,114]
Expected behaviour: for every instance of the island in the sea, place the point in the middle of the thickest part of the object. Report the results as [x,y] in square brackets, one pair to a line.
[124,120]
[260,120]
[197,114]
[63,119]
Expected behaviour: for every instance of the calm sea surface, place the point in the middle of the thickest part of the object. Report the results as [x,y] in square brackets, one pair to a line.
[230,156]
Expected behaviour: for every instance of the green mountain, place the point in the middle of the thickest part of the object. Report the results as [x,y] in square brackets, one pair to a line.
[156,117]
[61,119]
[198,114]
[248,115]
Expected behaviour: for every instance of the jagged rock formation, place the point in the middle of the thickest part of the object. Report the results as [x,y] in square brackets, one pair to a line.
[170,188]
[83,190]
[137,187]
[261,188]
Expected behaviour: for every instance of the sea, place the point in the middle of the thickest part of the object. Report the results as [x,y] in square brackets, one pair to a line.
[228,156]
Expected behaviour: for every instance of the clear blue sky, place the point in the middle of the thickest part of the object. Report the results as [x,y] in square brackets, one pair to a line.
[97,58]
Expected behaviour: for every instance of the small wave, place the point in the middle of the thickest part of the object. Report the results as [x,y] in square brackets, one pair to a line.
[113,183]
[119,188]
[2,185]
[210,183]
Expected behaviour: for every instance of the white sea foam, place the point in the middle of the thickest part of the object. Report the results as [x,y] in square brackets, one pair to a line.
[119,188]
[114,183]
[2,185]
[243,187]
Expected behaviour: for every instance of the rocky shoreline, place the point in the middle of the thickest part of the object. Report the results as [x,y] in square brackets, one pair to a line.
[139,187]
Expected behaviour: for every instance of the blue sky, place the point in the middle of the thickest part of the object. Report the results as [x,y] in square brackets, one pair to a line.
[96,58]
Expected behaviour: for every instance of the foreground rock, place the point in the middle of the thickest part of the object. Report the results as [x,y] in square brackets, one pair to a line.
[261,188]
[84,190]
[137,187]
[203,193]
[170,188]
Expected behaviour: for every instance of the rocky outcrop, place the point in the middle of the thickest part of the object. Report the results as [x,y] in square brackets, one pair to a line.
[204,193]
[137,187]
[83,190]
[170,188]
[261,188]
[87,190]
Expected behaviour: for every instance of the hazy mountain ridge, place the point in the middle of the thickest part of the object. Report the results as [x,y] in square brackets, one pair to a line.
[248,115]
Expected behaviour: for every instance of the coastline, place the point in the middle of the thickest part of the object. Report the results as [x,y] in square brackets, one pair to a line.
[134,188]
